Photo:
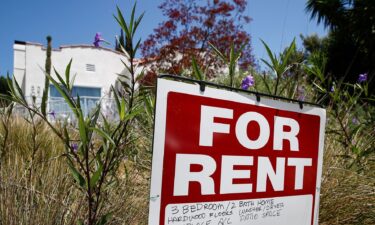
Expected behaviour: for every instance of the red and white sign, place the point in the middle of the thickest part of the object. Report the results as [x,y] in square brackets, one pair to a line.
[221,157]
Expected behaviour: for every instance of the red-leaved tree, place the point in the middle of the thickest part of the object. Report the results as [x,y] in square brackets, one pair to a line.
[189,27]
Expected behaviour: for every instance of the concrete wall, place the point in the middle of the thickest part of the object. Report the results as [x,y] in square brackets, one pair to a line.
[29,61]
[20,64]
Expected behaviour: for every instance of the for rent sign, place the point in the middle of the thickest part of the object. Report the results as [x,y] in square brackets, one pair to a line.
[221,157]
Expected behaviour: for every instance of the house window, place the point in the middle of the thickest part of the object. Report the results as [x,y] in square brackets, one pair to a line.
[76,90]
[89,99]
[90,67]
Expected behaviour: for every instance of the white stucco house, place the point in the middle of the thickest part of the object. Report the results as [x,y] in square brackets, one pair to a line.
[95,69]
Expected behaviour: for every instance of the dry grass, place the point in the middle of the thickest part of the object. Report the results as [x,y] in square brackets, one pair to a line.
[38,189]
[35,188]
[347,194]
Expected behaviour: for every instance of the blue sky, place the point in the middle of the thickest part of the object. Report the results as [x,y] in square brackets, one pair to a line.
[277,22]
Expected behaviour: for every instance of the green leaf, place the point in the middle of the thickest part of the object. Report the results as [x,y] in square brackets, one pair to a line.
[287,84]
[7,97]
[126,66]
[132,18]
[8,109]
[71,83]
[17,90]
[266,83]
[123,77]
[126,86]
[10,85]
[319,87]
[136,47]
[133,113]
[62,81]
[98,156]
[82,130]
[289,52]
[122,23]
[271,56]
[104,219]
[217,51]
[314,71]
[95,115]
[78,102]
[67,74]
[197,71]
[106,124]
[140,76]
[77,176]
[82,126]
[65,95]
[103,134]
[232,64]
[231,54]
[122,109]
[123,49]
[117,100]
[95,177]
[137,22]
[66,136]
[240,51]
[269,65]
[149,104]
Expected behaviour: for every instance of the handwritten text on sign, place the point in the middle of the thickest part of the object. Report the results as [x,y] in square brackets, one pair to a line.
[256,211]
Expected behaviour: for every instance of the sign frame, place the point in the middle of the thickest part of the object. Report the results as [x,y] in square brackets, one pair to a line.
[206,89]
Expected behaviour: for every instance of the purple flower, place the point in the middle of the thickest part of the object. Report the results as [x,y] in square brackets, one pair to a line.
[355,121]
[362,78]
[301,94]
[247,82]
[74,146]
[332,89]
[97,39]
[53,114]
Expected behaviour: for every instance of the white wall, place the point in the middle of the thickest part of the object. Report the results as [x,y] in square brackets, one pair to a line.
[29,61]
[20,64]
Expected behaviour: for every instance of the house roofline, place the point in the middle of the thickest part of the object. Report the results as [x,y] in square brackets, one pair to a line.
[67,46]
[19,42]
